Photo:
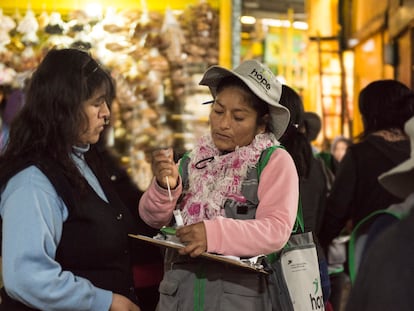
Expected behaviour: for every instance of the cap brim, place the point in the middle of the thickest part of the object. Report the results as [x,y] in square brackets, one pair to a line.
[280,115]
[399,181]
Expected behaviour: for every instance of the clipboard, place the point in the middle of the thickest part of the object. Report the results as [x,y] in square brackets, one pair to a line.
[224,259]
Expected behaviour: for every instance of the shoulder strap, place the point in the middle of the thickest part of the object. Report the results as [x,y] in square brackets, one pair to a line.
[183,169]
[264,158]
[184,160]
[299,222]
[352,261]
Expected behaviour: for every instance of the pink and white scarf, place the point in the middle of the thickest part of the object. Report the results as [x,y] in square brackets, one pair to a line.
[221,178]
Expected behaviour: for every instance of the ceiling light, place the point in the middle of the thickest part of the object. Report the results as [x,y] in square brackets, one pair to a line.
[300,25]
[275,22]
[249,20]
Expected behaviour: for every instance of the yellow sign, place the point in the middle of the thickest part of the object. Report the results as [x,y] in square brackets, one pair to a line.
[69,5]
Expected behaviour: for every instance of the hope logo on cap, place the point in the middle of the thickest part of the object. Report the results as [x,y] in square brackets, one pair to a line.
[260,77]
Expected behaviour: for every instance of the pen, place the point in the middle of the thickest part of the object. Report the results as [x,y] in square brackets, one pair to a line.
[168,188]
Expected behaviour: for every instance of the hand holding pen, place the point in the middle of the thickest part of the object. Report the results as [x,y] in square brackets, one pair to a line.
[164,169]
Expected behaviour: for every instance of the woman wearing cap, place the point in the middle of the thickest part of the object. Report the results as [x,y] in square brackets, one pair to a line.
[226,208]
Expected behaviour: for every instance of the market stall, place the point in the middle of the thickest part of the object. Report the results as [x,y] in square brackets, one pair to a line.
[156,56]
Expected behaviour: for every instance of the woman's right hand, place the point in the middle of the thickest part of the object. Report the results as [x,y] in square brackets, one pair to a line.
[162,166]
[121,303]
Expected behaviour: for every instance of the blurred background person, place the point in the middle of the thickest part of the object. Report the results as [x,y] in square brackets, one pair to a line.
[385,106]
[339,146]
[384,280]
[336,254]
[312,125]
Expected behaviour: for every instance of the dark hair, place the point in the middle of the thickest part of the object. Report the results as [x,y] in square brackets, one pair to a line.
[53,115]
[5,90]
[294,139]
[259,105]
[385,104]
[313,125]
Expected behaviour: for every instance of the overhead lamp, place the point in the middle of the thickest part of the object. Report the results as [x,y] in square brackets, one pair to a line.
[300,25]
[276,22]
[353,42]
[284,23]
[248,20]
[368,46]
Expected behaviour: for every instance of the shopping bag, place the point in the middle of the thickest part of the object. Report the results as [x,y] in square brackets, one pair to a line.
[294,280]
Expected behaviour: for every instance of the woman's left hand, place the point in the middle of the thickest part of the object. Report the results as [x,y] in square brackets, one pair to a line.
[194,237]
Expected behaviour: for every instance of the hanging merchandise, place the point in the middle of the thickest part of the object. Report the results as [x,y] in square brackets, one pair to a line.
[6,25]
[155,58]
[200,27]
[28,26]
[173,37]
[7,75]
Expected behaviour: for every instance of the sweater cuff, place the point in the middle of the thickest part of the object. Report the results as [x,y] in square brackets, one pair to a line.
[103,300]
[213,235]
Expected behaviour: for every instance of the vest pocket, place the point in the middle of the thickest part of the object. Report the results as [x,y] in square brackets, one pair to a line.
[168,287]
[245,292]
[168,294]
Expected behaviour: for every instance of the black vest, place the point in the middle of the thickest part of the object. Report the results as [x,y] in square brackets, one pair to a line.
[94,243]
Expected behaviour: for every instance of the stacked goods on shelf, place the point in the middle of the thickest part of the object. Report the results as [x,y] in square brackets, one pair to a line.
[154,57]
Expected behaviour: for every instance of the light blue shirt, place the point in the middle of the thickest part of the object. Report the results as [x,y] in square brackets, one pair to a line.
[33,216]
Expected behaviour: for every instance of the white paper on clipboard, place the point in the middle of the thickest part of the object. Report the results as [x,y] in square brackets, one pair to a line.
[246,264]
